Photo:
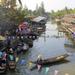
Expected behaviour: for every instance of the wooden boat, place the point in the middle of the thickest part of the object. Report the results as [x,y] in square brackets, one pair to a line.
[12,65]
[3,68]
[52,60]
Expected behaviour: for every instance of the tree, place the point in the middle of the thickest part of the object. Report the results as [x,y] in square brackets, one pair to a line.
[39,10]
[10,3]
[67,10]
[42,8]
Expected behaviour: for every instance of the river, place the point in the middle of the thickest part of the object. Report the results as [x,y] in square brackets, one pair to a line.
[49,44]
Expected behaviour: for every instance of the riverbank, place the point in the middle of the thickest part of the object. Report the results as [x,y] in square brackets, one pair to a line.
[67,24]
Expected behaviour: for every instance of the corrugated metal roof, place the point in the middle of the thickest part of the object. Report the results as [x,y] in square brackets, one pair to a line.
[39,18]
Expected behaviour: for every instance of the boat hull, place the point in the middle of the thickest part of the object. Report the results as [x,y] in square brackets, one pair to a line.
[52,60]
[3,68]
[12,65]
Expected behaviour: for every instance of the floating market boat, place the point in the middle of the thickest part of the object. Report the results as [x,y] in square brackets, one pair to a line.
[3,68]
[52,60]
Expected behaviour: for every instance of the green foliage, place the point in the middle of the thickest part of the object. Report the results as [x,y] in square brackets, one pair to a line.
[39,11]
[13,15]
[61,13]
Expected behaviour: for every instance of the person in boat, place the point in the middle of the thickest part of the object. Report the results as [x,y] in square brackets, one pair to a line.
[25,46]
[11,57]
[8,41]
[39,60]
[11,51]
[4,57]
[19,48]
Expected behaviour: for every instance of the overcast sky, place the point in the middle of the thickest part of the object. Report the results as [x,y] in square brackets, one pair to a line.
[49,4]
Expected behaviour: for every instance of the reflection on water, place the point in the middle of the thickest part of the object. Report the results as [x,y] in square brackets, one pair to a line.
[49,44]
[69,46]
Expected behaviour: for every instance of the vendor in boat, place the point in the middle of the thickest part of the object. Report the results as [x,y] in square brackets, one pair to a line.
[4,57]
[11,57]
[39,60]
[10,51]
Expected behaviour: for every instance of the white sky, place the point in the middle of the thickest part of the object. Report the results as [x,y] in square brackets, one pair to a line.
[49,4]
